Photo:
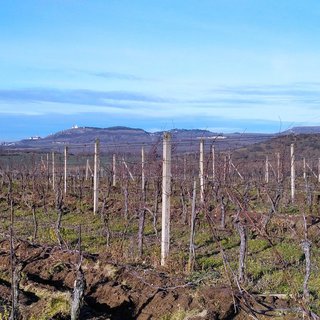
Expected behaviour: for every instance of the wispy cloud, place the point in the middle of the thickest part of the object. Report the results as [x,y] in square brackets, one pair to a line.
[291,103]
[291,90]
[82,97]
[116,75]
[306,94]
[227,102]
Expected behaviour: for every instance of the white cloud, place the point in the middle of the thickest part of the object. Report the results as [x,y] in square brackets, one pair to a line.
[291,103]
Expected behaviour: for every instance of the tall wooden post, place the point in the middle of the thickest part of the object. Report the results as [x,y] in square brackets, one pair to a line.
[53,172]
[101,170]
[48,169]
[213,164]
[42,165]
[201,167]
[184,167]
[96,177]
[166,193]
[142,170]
[293,173]
[65,168]
[267,170]
[192,253]
[225,169]
[278,167]
[114,173]
[87,169]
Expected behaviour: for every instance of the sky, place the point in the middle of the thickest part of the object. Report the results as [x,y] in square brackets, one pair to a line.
[221,65]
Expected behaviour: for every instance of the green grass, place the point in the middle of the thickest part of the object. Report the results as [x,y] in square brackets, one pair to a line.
[257,245]
[210,262]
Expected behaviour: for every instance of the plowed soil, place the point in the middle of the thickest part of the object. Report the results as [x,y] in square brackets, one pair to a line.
[120,292]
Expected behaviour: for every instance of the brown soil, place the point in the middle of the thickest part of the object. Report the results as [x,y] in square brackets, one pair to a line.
[118,292]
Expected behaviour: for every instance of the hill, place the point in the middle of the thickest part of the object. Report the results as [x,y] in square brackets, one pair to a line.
[302,130]
[306,146]
[185,140]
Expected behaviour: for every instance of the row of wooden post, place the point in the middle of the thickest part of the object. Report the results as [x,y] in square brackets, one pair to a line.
[166,185]
[166,180]
[228,162]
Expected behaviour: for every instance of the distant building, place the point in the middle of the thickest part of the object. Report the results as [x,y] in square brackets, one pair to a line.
[216,137]
[212,138]
[75,126]
[35,138]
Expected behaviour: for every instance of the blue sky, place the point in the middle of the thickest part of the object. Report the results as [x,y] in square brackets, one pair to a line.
[224,65]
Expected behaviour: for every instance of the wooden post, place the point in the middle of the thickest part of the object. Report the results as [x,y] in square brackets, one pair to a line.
[278,167]
[293,173]
[306,246]
[96,177]
[42,164]
[114,174]
[193,160]
[16,268]
[304,169]
[267,170]
[142,170]
[213,164]
[65,168]
[101,170]
[185,167]
[192,229]
[225,169]
[166,193]
[243,249]
[87,169]
[53,172]
[48,169]
[142,216]
[201,166]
